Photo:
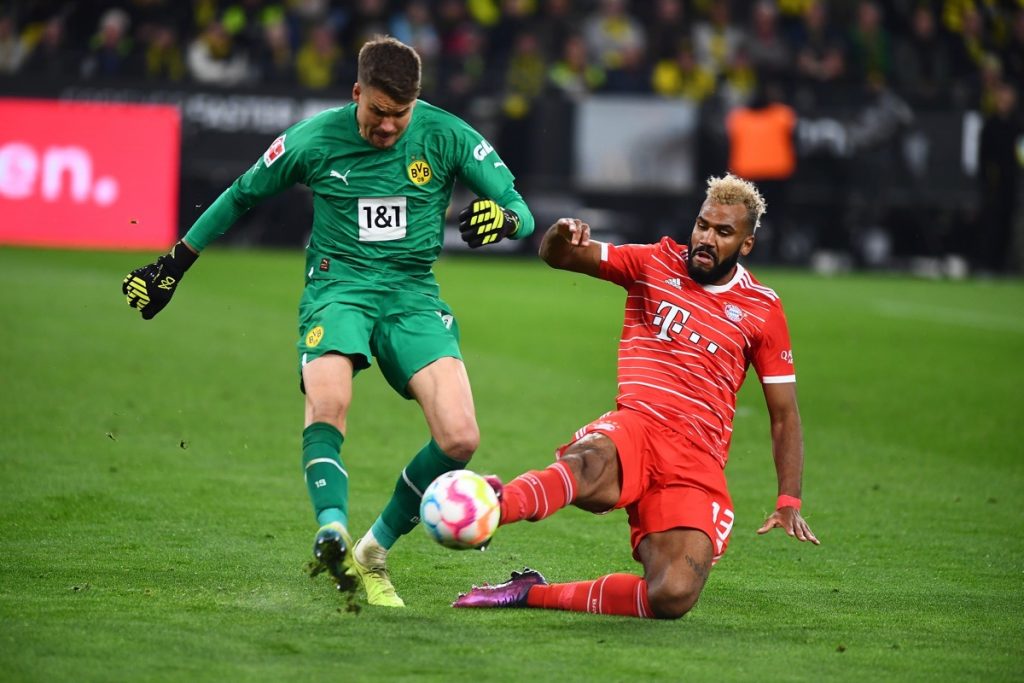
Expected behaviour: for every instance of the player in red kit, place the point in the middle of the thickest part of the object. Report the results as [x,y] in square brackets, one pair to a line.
[695,319]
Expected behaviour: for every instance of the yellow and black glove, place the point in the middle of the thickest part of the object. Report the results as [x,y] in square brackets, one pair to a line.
[484,222]
[151,287]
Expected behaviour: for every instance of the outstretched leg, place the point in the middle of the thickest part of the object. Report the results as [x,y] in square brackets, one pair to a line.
[587,476]
[593,475]
[676,566]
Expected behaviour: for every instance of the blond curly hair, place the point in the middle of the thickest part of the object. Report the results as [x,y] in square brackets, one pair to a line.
[731,189]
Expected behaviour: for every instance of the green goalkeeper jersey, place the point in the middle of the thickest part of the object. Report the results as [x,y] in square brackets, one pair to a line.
[373,209]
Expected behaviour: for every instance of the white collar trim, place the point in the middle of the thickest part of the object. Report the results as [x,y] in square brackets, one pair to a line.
[718,289]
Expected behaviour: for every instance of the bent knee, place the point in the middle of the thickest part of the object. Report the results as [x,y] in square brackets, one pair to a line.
[595,466]
[460,443]
[330,409]
[674,601]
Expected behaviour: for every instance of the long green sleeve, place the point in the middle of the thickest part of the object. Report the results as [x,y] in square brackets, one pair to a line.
[217,219]
[274,172]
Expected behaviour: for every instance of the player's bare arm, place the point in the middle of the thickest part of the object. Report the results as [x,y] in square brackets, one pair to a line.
[788,451]
[567,246]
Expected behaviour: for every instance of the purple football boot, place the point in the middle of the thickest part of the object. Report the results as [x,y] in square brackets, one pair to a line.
[494,481]
[512,593]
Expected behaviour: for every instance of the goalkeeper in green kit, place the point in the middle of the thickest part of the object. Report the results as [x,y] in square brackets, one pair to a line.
[381,170]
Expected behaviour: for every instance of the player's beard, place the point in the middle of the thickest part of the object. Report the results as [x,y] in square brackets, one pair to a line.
[716,272]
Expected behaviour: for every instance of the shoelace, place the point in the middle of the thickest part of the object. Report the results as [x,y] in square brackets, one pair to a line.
[378,567]
[377,560]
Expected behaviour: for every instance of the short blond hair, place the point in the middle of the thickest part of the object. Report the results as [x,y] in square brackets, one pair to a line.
[731,189]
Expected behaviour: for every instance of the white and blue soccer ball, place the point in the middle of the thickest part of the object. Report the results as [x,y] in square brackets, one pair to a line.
[460,510]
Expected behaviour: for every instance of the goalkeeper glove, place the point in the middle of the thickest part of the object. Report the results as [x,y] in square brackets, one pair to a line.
[484,222]
[151,287]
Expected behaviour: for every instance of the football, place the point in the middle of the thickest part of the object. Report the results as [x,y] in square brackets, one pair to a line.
[460,510]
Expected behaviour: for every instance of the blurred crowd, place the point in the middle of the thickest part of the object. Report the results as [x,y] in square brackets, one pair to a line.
[750,66]
[934,53]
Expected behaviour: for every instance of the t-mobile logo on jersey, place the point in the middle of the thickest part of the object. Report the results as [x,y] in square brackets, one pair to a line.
[669,317]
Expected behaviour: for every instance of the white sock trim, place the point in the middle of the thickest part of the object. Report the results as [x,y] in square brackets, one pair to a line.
[329,461]
[408,482]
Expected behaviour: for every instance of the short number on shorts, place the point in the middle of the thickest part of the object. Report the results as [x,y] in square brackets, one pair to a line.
[723,526]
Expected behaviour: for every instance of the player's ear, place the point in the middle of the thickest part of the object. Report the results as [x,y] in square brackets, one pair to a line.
[748,244]
[356,91]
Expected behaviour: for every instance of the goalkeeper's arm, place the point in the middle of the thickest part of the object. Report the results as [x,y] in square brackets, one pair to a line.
[151,287]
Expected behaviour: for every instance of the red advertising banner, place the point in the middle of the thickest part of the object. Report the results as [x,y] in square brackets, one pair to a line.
[85,175]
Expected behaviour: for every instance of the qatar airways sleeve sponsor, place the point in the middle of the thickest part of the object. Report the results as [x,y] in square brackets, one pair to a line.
[772,352]
[88,175]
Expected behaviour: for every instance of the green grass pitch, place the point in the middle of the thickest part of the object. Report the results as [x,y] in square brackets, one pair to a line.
[154,524]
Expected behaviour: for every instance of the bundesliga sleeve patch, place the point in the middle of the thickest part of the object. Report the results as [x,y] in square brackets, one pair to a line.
[274,152]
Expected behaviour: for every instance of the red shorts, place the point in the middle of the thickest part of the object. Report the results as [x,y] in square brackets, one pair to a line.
[667,481]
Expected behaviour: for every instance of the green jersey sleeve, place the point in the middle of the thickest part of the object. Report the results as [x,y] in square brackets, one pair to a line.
[483,172]
[286,162]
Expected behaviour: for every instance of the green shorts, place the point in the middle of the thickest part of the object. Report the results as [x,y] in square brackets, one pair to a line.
[404,330]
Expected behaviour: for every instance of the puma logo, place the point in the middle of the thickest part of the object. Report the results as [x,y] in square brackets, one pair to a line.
[344,177]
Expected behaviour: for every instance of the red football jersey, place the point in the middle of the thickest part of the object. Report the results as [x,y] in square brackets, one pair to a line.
[685,347]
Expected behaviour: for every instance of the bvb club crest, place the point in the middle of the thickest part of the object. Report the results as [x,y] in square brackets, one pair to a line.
[314,336]
[419,172]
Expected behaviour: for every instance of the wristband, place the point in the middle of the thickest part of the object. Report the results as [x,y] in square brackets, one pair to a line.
[787,502]
[182,257]
[510,214]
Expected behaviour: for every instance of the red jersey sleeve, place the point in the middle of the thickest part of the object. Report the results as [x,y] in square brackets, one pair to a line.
[623,263]
[771,353]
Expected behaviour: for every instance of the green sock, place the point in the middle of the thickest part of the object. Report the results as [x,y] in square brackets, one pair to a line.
[326,478]
[402,512]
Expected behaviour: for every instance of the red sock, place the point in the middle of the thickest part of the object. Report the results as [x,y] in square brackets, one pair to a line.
[535,495]
[621,594]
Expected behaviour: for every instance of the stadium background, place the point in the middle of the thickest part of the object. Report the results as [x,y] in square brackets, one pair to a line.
[611,110]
